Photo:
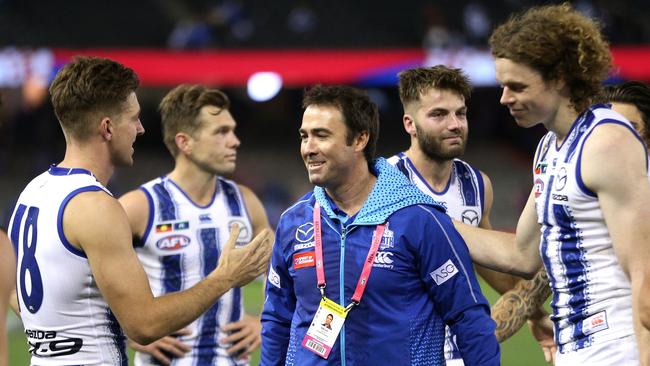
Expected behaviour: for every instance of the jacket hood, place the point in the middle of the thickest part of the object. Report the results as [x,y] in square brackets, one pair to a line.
[392,192]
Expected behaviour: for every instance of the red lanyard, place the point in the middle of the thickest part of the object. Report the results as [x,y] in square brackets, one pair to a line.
[367,266]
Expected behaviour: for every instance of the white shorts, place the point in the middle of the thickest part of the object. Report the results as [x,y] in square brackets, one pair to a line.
[617,352]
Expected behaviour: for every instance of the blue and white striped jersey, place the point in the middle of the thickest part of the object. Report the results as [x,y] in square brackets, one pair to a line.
[592,300]
[181,245]
[66,319]
[463,199]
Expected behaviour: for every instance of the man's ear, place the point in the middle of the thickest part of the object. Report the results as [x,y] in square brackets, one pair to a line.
[106,126]
[183,142]
[361,140]
[409,124]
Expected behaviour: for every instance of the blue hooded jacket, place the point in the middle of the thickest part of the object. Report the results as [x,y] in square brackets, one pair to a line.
[421,279]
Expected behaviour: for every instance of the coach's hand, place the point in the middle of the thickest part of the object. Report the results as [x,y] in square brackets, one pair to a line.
[245,336]
[242,265]
[166,348]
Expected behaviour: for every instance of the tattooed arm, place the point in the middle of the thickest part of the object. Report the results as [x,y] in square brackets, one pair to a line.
[523,302]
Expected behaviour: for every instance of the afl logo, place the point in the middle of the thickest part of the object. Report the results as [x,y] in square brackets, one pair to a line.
[560,183]
[305,232]
[538,188]
[173,242]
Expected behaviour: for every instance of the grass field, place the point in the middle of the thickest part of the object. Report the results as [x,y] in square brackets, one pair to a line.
[521,349]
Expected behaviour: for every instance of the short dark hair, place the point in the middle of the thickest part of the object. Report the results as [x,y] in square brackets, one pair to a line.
[360,114]
[559,43]
[179,110]
[88,88]
[632,92]
[416,82]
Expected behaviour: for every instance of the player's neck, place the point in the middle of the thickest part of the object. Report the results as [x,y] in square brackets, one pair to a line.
[89,157]
[351,195]
[436,172]
[198,184]
[562,121]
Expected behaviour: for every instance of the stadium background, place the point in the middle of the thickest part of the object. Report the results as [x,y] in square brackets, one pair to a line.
[223,43]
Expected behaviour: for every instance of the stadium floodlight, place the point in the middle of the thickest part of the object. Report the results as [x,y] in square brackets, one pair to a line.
[264,85]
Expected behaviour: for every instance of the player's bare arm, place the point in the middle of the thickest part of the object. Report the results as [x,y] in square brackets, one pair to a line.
[624,195]
[97,224]
[644,307]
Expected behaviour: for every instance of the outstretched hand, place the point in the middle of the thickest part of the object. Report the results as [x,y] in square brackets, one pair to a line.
[243,264]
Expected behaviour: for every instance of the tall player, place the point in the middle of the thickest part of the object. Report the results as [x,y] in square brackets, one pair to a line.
[435,117]
[78,276]
[591,195]
[181,221]
[632,100]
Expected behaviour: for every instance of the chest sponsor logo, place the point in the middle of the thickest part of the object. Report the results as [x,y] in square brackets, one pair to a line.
[470,217]
[443,273]
[560,197]
[384,260]
[540,168]
[173,242]
[595,323]
[560,179]
[302,260]
[305,232]
[311,244]
[205,218]
[169,227]
[538,188]
[244,232]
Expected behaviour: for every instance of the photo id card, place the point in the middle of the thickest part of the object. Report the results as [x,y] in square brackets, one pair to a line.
[325,328]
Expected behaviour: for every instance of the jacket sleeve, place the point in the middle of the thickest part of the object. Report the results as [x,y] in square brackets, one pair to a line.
[279,304]
[446,269]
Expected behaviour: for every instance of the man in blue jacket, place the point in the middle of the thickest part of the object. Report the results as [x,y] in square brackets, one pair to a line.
[370,249]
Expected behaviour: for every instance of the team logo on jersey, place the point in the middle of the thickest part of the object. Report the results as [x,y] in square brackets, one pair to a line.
[540,168]
[538,188]
[302,260]
[169,227]
[470,217]
[443,273]
[387,239]
[244,234]
[173,242]
[561,177]
[305,232]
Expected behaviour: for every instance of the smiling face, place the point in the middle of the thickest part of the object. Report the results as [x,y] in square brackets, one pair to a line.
[126,127]
[329,159]
[213,146]
[529,98]
[438,122]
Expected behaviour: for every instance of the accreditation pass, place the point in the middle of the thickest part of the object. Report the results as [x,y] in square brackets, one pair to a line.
[325,327]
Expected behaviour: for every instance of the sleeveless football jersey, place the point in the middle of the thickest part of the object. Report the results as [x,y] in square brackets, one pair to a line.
[66,319]
[592,301]
[463,198]
[181,245]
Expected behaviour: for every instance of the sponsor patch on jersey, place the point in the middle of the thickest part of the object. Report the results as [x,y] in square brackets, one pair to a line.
[305,232]
[302,260]
[538,188]
[443,273]
[560,179]
[595,323]
[244,235]
[300,246]
[205,217]
[470,217]
[169,227]
[274,277]
[540,168]
[383,260]
[173,242]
